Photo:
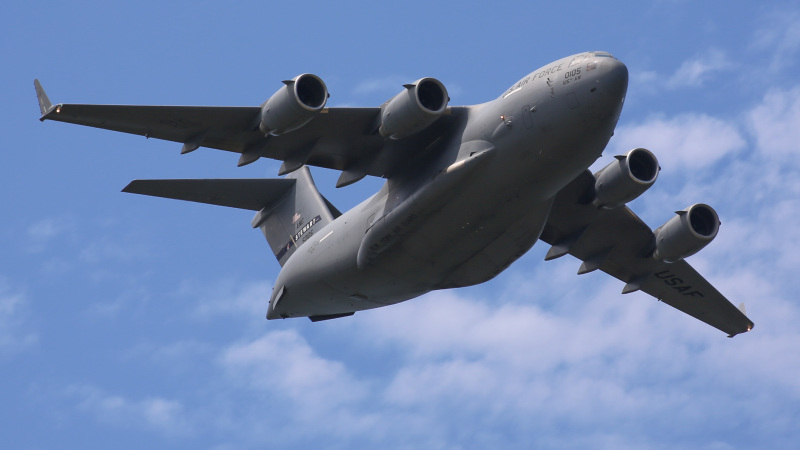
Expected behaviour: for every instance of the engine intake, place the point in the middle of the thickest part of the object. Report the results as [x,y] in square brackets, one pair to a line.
[294,105]
[687,233]
[626,178]
[414,109]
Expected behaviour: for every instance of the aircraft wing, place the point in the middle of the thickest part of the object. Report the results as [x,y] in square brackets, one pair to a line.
[343,139]
[617,242]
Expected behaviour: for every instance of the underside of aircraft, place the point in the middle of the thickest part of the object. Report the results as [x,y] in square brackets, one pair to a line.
[469,189]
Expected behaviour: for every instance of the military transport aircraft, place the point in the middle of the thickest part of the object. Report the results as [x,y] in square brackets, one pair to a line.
[469,189]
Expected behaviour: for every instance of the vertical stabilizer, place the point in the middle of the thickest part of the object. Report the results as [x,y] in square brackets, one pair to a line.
[290,222]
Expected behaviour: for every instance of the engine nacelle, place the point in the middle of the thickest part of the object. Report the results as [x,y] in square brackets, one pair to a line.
[687,233]
[626,178]
[412,110]
[294,105]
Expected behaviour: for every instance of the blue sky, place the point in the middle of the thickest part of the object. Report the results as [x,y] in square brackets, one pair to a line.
[135,322]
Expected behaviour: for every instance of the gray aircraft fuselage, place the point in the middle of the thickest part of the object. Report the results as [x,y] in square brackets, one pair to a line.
[467,212]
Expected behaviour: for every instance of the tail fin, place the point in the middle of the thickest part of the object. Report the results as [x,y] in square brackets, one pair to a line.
[290,210]
[289,223]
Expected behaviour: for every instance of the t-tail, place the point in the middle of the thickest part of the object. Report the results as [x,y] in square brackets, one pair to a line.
[290,210]
[292,220]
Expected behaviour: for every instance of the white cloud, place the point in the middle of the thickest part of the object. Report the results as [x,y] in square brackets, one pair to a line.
[179,356]
[779,36]
[42,232]
[758,193]
[283,364]
[694,72]
[767,240]
[612,359]
[43,229]
[775,124]
[230,297]
[687,141]
[105,250]
[152,413]
[298,390]
[15,330]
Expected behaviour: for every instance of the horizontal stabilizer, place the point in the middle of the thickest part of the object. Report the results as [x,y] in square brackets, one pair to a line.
[252,194]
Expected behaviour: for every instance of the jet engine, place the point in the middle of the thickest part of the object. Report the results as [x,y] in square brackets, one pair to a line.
[687,233]
[626,178]
[294,105]
[413,109]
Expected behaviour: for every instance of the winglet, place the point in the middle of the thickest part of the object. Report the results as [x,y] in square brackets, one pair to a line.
[44,103]
[749,327]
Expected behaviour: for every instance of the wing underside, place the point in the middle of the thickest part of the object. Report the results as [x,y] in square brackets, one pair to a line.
[617,242]
[344,139]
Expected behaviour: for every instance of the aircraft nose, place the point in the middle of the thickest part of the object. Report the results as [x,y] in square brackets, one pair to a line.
[612,78]
[608,84]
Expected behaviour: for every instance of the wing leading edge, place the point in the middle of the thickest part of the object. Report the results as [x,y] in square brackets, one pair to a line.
[617,242]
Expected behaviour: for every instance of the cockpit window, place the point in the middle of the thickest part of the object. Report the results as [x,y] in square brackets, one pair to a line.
[603,55]
[578,59]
